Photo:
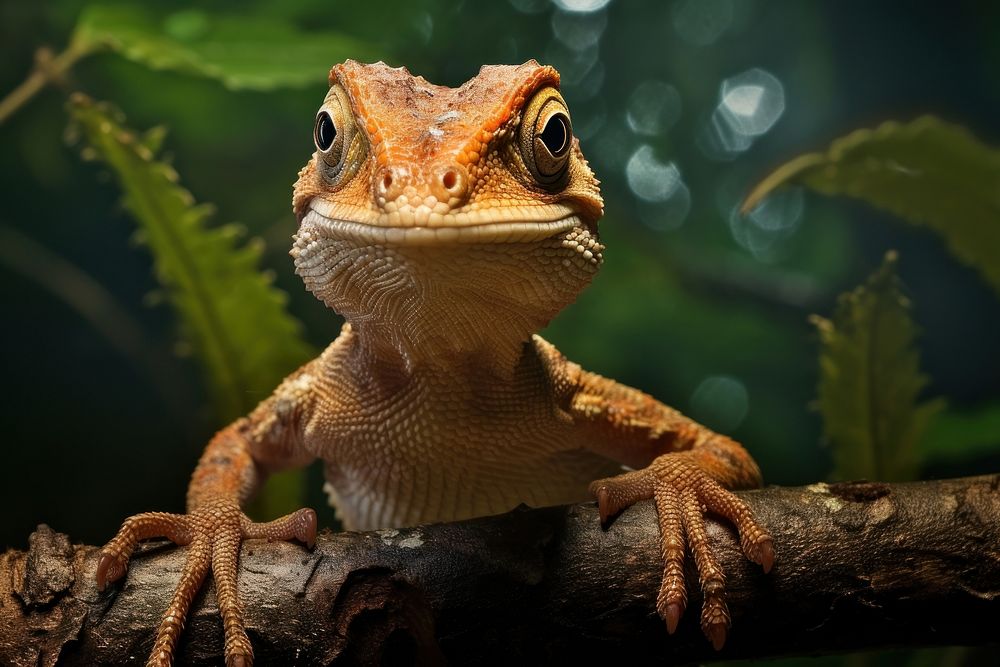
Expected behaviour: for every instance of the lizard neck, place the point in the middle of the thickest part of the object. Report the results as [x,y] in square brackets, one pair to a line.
[445,307]
[448,342]
[382,351]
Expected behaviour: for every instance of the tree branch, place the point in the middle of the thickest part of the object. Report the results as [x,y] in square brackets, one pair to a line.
[859,565]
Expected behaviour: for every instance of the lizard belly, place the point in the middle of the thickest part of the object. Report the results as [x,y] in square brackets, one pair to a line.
[456,467]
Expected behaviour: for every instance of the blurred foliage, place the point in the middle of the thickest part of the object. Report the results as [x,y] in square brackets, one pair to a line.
[240,51]
[870,382]
[230,315]
[927,171]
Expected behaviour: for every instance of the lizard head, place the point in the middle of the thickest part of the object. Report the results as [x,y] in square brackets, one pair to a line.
[442,213]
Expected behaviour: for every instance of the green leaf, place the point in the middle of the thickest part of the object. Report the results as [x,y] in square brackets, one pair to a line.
[928,172]
[963,435]
[240,51]
[870,381]
[231,316]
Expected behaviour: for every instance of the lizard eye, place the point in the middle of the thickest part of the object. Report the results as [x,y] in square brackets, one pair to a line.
[341,148]
[555,136]
[325,132]
[545,137]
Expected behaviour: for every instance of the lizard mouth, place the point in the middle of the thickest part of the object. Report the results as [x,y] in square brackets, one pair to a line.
[496,231]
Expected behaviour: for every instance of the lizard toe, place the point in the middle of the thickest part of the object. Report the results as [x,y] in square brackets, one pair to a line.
[672,598]
[113,563]
[754,540]
[614,494]
[110,568]
[299,525]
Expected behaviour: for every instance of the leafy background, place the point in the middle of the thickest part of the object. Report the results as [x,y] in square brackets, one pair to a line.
[116,371]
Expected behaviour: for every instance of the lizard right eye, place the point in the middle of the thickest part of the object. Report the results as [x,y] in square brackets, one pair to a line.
[325,132]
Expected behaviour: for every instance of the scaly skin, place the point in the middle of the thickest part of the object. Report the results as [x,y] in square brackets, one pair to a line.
[448,225]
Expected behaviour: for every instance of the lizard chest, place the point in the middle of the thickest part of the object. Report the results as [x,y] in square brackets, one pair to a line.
[433,449]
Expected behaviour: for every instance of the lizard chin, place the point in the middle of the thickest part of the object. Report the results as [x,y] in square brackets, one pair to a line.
[454,290]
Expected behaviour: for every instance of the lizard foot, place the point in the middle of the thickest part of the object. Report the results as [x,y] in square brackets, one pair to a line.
[683,492]
[213,533]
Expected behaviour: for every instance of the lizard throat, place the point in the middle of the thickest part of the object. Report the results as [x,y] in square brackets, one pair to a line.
[433,293]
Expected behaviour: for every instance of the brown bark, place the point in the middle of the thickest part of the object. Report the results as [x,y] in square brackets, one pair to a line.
[858,565]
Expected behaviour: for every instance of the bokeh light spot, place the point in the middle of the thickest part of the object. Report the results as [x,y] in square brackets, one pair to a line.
[575,67]
[653,108]
[582,6]
[781,211]
[752,102]
[669,215]
[665,199]
[749,105]
[579,31]
[650,179]
[764,230]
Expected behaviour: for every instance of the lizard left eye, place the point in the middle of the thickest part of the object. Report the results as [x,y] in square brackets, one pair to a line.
[545,138]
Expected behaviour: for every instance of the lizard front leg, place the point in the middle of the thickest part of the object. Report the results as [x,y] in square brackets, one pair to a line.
[215,526]
[685,468]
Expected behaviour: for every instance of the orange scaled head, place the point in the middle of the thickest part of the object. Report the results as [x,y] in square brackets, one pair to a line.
[394,150]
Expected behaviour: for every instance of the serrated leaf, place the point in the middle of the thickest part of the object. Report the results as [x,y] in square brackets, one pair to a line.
[231,317]
[928,172]
[870,381]
[240,51]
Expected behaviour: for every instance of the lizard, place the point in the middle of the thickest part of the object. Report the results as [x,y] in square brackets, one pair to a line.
[447,226]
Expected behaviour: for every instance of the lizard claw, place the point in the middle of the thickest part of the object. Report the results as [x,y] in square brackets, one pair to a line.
[307,523]
[762,553]
[717,635]
[603,507]
[683,493]
[672,615]
[110,568]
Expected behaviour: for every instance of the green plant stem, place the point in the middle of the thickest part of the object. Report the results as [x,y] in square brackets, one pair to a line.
[45,72]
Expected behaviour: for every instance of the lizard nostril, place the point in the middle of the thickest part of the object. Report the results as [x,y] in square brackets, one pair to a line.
[449,183]
[388,183]
[452,183]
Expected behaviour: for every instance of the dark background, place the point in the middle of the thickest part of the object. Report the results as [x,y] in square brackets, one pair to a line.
[692,305]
